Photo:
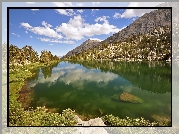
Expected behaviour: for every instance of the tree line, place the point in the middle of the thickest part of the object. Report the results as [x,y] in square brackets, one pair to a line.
[28,55]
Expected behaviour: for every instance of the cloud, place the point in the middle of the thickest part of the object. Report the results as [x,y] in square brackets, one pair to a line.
[130,13]
[46,25]
[51,44]
[79,4]
[26,25]
[103,18]
[46,30]
[63,4]
[95,3]
[95,39]
[35,9]
[67,12]
[30,2]
[144,4]
[31,37]
[117,15]
[95,9]
[80,11]
[26,32]
[16,34]
[76,28]
[56,40]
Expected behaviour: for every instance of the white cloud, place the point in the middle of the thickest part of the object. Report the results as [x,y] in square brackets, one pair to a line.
[30,2]
[103,18]
[26,32]
[95,3]
[26,25]
[46,30]
[68,12]
[144,4]
[63,4]
[95,39]
[129,13]
[56,40]
[35,9]
[31,37]
[95,9]
[117,15]
[76,28]
[80,11]
[46,25]
[79,4]
[51,44]
[16,34]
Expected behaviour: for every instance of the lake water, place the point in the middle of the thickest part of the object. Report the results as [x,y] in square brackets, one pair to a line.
[88,87]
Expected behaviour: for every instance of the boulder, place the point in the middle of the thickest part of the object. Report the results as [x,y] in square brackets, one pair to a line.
[129,98]
[92,122]
[162,119]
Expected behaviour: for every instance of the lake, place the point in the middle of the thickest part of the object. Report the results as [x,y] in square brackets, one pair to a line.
[88,86]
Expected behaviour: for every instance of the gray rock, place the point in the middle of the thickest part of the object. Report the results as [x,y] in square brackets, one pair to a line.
[91,122]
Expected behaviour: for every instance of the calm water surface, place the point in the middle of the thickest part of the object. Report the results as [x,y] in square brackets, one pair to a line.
[87,87]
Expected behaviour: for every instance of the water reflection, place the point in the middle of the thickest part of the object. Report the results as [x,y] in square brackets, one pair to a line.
[150,76]
[47,71]
[79,77]
[89,86]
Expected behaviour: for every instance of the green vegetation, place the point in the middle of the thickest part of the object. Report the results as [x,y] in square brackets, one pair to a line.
[24,64]
[111,120]
[155,46]
[39,116]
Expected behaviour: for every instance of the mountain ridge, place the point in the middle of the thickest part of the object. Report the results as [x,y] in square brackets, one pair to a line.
[153,21]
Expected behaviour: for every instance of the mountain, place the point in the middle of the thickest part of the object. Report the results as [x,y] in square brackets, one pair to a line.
[147,38]
[143,25]
[175,28]
[83,47]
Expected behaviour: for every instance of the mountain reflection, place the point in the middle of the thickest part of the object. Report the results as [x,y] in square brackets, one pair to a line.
[154,76]
[151,76]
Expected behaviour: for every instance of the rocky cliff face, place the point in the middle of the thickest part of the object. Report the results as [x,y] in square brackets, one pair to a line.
[143,25]
[83,47]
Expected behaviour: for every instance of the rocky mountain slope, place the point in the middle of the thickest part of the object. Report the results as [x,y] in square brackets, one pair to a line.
[175,28]
[143,25]
[83,47]
[146,38]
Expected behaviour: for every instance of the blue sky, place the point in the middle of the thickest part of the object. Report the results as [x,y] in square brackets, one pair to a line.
[60,31]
